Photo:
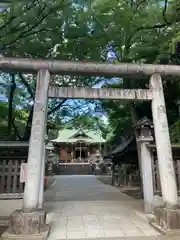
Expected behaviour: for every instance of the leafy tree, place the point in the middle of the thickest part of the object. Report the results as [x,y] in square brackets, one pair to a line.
[140,31]
[51,32]
[175,132]
[88,123]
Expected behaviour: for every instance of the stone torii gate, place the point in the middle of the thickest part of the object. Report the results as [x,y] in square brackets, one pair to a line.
[30,222]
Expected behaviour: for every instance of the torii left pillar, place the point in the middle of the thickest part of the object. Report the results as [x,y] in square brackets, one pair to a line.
[30,222]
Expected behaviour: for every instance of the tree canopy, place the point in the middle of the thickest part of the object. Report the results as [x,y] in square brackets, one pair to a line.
[142,31]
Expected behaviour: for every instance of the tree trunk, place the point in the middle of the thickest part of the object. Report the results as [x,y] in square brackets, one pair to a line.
[27,131]
[28,126]
[10,112]
[29,121]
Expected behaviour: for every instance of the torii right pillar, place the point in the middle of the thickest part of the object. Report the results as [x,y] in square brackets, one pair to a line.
[166,218]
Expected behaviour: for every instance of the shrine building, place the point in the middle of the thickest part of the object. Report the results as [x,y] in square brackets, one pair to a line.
[79,145]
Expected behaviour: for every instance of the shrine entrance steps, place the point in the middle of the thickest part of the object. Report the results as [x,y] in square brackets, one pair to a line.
[82,207]
[73,169]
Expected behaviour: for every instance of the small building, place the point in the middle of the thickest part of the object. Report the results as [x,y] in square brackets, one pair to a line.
[79,145]
[125,155]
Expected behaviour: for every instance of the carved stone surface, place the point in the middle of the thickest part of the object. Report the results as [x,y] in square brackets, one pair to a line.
[27,222]
[37,236]
[36,143]
[98,93]
[167,220]
[162,137]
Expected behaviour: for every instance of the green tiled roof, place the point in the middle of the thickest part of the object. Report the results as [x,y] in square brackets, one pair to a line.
[71,135]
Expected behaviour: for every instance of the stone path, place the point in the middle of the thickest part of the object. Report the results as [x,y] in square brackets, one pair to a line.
[82,207]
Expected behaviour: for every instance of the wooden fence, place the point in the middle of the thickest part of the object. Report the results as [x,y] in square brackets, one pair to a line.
[12,155]
[155,168]
[126,175]
[156,177]
[10,186]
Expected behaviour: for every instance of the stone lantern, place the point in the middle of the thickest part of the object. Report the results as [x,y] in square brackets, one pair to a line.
[144,130]
[144,135]
[51,158]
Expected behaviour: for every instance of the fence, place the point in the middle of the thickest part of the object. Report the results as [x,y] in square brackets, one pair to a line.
[155,169]
[10,186]
[126,175]
[12,155]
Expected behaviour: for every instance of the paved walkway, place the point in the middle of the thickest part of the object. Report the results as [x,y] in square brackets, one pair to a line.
[81,207]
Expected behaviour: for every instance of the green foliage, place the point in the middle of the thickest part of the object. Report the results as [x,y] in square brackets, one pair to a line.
[140,31]
[20,115]
[175,132]
[87,122]
[145,31]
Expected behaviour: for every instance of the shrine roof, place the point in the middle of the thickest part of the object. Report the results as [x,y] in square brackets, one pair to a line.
[142,122]
[74,135]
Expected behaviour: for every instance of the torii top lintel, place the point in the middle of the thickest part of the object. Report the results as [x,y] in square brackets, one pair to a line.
[86,68]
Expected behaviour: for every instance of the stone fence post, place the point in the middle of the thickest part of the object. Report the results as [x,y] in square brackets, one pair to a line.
[144,136]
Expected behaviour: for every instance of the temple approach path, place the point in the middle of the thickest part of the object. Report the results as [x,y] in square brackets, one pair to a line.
[82,207]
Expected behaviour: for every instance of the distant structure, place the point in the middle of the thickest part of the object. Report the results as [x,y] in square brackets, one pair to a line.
[79,145]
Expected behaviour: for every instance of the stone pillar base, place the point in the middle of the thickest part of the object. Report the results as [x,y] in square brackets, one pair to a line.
[27,225]
[166,220]
[39,236]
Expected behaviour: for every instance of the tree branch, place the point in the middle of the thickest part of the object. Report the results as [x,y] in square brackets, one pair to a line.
[13,17]
[11,96]
[42,14]
[156,26]
[164,12]
[56,107]
[15,129]
[139,3]
[37,31]
[26,35]
[27,129]
[30,31]
[28,126]
[27,85]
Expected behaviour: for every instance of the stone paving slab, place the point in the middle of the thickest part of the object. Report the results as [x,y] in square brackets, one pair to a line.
[132,238]
[93,210]
[127,238]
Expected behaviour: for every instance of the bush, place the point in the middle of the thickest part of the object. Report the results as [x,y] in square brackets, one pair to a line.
[175,132]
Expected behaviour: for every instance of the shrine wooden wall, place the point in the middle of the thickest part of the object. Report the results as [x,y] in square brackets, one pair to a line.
[65,155]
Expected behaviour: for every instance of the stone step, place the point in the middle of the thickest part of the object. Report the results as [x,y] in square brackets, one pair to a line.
[4,221]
